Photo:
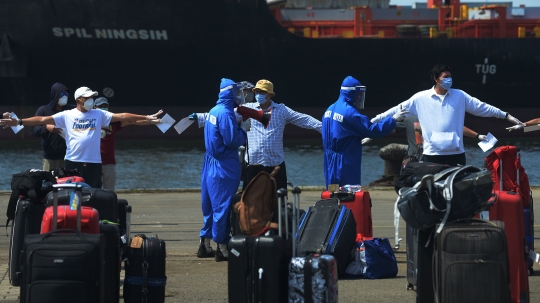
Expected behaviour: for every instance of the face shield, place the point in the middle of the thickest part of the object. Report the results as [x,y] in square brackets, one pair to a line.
[239,98]
[359,97]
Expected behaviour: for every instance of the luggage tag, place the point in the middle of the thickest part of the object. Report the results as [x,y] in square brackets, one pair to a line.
[74,199]
[136,242]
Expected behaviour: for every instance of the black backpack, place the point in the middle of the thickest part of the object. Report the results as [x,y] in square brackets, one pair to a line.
[33,184]
[414,171]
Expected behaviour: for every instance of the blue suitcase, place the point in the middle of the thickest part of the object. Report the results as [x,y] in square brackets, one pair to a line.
[328,228]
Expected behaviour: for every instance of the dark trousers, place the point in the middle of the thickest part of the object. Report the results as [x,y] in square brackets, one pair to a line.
[91,172]
[253,170]
[452,160]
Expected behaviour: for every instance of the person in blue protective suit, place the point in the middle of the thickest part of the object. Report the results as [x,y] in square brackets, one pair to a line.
[221,170]
[343,128]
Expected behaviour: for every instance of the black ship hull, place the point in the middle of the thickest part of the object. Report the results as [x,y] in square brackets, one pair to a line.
[174,53]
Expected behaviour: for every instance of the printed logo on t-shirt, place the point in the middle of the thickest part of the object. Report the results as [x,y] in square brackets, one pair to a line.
[212,119]
[328,114]
[338,117]
[84,124]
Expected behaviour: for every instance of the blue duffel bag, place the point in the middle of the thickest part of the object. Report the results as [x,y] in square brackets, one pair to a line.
[373,259]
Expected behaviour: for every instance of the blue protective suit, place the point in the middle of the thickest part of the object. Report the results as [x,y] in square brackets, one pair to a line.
[343,128]
[221,167]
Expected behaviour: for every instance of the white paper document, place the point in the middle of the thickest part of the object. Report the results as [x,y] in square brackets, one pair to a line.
[487,145]
[182,125]
[534,256]
[166,122]
[531,128]
[17,128]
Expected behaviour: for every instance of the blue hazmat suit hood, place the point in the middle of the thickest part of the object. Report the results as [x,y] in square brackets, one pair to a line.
[227,97]
[348,95]
[56,90]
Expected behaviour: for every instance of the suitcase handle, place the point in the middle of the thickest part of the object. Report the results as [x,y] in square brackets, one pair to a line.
[63,230]
[75,186]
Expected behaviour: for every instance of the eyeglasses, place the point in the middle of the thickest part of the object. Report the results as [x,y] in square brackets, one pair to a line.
[64,94]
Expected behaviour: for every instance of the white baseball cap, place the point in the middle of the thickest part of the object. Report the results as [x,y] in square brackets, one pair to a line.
[84,92]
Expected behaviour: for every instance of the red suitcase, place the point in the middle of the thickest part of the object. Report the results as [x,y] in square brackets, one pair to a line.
[68,219]
[360,205]
[69,179]
[508,208]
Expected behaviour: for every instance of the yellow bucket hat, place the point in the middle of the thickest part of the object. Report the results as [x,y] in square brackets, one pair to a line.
[264,85]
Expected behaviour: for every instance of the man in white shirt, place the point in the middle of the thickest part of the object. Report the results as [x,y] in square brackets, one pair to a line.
[82,132]
[441,112]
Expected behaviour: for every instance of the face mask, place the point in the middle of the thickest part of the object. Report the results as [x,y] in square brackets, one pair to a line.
[261,98]
[446,83]
[249,96]
[105,109]
[63,101]
[88,104]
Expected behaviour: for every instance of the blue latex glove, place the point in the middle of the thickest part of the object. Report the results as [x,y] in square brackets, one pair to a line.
[193,117]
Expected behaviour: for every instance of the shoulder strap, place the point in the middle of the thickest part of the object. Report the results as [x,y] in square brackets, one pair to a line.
[448,193]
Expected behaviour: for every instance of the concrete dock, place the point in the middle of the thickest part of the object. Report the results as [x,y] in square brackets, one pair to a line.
[175,217]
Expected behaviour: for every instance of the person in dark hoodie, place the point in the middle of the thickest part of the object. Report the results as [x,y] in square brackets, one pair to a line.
[52,142]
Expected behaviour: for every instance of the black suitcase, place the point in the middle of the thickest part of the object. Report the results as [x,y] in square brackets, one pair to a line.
[312,278]
[103,200]
[328,229]
[411,239]
[471,263]
[63,266]
[112,261]
[122,203]
[145,278]
[27,221]
[258,267]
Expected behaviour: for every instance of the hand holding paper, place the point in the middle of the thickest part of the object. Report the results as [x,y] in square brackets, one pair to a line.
[182,125]
[487,144]
[166,122]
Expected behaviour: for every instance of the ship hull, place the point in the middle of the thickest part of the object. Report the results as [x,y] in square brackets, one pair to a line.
[174,53]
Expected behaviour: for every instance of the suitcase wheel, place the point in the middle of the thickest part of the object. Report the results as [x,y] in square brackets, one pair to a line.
[410,286]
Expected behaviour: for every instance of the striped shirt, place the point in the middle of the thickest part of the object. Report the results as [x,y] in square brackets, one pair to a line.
[265,145]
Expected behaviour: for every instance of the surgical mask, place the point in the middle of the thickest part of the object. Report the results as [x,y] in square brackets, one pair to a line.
[63,101]
[105,109]
[261,98]
[446,83]
[249,96]
[88,104]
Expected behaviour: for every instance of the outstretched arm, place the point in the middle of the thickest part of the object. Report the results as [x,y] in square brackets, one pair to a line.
[472,134]
[128,117]
[38,120]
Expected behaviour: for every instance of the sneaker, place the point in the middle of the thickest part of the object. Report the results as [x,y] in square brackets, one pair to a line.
[204,251]
[222,255]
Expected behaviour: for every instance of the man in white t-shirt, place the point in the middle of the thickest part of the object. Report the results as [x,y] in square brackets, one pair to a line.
[82,132]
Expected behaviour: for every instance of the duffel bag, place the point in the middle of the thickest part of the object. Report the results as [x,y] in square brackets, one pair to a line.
[455,193]
[413,172]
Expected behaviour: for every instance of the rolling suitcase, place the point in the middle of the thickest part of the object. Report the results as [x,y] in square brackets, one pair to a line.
[328,229]
[111,233]
[471,263]
[258,265]
[27,221]
[103,200]
[312,278]
[145,277]
[67,218]
[508,208]
[122,215]
[63,266]
[411,240]
[360,204]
